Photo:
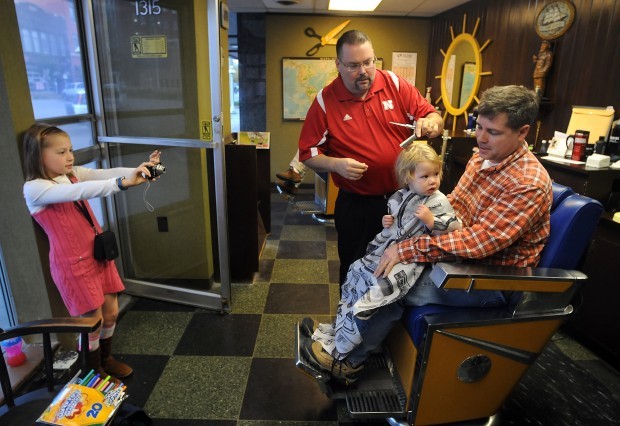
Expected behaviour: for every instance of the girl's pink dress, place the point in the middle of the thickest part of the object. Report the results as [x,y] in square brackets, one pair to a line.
[81,279]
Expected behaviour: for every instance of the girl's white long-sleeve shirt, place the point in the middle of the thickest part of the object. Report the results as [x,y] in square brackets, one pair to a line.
[92,183]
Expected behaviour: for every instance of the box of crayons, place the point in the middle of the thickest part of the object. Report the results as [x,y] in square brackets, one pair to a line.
[91,401]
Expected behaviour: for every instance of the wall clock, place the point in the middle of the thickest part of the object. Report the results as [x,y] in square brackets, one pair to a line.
[554,19]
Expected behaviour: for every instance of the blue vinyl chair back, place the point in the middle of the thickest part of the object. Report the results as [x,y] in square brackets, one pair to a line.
[573,221]
[560,192]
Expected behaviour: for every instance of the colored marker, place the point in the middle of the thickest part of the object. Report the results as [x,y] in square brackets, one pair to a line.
[108,387]
[87,377]
[103,383]
[93,380]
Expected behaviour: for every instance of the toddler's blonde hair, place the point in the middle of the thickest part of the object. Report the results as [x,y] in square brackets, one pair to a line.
[409,158]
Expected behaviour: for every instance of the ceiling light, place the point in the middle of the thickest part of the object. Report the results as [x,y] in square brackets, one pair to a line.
[354,5]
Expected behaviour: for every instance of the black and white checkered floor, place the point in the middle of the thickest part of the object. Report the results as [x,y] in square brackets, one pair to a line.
[196,367]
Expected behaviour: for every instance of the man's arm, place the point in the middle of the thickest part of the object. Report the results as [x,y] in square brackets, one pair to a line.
[514,213]
[348,168]
[431,125]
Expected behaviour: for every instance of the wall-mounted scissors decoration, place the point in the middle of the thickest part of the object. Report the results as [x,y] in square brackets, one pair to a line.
[329,38]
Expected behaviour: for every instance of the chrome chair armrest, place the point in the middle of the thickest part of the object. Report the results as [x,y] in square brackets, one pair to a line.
[469,277]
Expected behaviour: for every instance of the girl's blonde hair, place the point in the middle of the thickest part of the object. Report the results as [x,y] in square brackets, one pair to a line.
[409,158]
[35,139]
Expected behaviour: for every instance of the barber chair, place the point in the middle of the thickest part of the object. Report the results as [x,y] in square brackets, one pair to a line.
[25,409]
[451,364]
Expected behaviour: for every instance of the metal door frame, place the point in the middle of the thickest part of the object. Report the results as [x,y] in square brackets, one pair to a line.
[204,299]
[198,298]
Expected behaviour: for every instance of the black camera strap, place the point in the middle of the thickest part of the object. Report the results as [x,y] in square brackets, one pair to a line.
[81,206]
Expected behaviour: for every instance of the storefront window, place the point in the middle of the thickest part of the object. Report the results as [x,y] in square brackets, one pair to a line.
[7,312]
[53,55]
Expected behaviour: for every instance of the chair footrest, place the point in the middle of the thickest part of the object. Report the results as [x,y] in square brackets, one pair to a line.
[308,207]
[379,394]
[374,403]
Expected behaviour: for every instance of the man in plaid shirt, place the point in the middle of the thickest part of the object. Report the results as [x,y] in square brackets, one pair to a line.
[503,201]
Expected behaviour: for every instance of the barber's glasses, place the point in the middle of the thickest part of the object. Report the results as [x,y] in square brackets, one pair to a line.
[356,67]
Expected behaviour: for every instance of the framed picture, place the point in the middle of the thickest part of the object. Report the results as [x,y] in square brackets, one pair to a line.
[302,78]
[467,82]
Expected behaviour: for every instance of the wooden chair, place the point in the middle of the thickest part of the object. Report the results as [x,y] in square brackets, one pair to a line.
[24,410]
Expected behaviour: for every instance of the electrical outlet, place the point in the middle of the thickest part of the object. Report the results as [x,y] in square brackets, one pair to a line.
[162,223]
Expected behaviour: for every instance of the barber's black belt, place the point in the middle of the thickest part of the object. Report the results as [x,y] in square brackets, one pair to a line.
[365,197]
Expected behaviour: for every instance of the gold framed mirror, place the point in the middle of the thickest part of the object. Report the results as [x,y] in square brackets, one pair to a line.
[461,73]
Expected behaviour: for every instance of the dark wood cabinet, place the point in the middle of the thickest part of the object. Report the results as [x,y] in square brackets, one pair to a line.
[596,320]
[248,209]
[594,183]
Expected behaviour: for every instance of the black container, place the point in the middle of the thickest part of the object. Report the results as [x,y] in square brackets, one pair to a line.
[601,145]
[614,141]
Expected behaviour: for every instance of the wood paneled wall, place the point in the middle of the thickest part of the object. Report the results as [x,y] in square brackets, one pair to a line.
[586,65]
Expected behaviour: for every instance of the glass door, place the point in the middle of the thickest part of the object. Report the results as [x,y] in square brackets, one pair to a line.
[158,64]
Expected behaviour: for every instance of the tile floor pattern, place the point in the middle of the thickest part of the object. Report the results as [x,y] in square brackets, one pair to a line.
[196,367]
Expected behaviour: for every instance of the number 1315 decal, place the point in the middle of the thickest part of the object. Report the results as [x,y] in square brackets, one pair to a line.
[147,7]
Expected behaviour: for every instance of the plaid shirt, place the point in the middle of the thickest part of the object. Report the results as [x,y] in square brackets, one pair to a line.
[505,211]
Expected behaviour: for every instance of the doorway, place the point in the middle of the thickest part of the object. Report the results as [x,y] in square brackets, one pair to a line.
[152,60]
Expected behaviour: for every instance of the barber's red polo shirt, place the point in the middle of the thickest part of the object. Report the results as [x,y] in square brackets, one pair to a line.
[340,125]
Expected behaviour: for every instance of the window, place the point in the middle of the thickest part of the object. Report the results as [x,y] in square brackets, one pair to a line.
[7,310]
[53,53]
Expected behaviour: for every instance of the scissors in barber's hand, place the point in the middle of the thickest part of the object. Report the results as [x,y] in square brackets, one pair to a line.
[404,144]
[329,38]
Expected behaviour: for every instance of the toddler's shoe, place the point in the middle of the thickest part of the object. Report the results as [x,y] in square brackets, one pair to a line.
[342,371]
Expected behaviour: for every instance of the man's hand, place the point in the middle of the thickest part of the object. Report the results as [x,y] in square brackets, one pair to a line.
[387,261]
[350,169]
[430,126]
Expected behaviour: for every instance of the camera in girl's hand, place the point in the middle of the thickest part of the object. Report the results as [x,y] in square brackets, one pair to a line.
[156,171]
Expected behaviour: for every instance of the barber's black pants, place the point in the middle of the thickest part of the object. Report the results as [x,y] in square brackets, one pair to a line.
[358,220]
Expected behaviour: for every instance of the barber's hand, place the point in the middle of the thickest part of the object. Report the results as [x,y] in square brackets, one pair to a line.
[387,261]
[350,169]
[428,127]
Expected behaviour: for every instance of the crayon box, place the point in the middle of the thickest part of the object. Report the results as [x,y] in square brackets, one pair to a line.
[77,405]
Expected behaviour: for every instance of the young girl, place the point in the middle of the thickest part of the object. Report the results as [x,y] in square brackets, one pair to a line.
[418,208]
[56,193]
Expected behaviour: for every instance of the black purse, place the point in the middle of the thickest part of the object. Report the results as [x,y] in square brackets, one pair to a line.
[105,242]
[105,246]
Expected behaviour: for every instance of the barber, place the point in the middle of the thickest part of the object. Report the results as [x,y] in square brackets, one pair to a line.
[348,133]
